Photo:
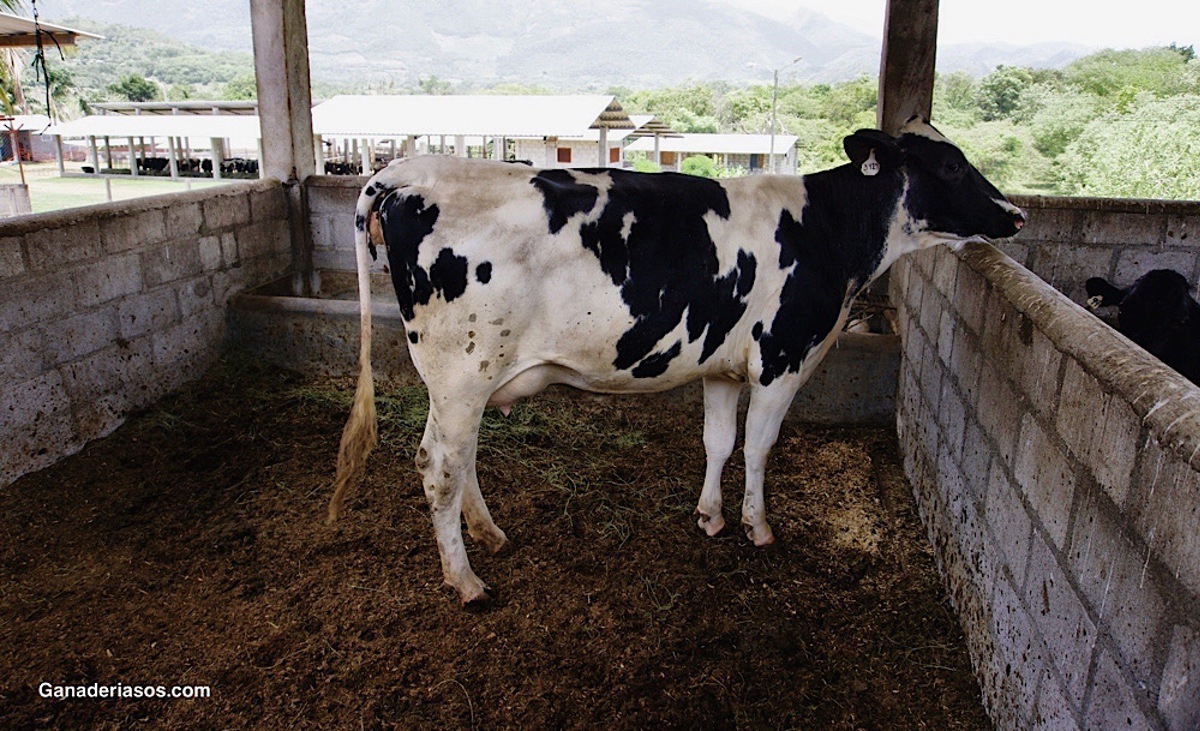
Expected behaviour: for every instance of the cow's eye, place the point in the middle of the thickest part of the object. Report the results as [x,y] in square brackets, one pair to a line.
[953,168]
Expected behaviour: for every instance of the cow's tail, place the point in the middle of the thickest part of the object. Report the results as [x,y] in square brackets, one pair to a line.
[360,434]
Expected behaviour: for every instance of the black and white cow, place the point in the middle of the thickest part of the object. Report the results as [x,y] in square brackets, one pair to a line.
[512,278]
[1158,313]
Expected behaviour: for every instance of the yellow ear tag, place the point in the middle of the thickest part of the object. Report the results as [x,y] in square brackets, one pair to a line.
[871,165]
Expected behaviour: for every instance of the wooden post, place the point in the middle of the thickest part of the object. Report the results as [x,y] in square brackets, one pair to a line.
[906,65]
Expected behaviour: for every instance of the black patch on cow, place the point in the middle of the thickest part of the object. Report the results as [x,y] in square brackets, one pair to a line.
[832,253]
[406,221]
[563,196]
[756,331]
[667,266]
[483,272]
[656,364]
[413,337]
[949,193]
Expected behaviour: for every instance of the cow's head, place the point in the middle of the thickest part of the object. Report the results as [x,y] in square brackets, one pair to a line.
[947,200]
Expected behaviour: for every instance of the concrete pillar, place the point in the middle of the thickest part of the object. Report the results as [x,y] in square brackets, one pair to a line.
[108,152]
[658,150]
[280,33]
[173,158]
[603,147]
[460,146]
[95,154]
[58,155]
[218,156]
[319,154]
[907,62]
[133,167]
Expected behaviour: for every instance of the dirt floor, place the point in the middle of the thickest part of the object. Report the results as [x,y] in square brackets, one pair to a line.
[188,548]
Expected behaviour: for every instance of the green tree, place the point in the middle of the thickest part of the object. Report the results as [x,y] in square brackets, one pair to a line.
[243,87]
[1000,91]
[135,88]
[699,165]
[1149,152]
[1160,71]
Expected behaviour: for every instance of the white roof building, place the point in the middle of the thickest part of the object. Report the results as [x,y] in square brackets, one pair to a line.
[468,115]
[740,150]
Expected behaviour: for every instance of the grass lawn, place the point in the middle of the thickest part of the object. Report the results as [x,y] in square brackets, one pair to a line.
[49,192]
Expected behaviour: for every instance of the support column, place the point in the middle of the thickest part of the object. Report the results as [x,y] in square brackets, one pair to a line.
[319,154]
[280,32]
[460,146]
[133,166]
[907,63]
[108,152]
[284,95]
[95,154]
[173,158]
[58,155]
[603,147]
[218,155]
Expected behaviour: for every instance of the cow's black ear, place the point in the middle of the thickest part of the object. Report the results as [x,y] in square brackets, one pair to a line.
[1102,294]
[872,151]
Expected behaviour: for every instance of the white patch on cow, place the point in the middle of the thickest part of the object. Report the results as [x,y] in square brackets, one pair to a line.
[627,225]
[922,128]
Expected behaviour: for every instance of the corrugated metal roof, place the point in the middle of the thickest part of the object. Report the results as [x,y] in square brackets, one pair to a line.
[240,126]
[724,144]
[492,116]
[16,31]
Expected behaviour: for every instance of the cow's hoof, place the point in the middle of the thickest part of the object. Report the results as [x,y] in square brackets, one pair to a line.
[760,535]
[711,525]
[493,541]
[472,593]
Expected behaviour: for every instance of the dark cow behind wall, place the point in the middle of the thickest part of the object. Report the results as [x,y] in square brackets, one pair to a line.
[1158,313]
[511,278]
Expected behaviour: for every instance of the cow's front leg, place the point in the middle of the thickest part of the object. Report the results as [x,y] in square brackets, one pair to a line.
[768,404]
[720,432]
[444,460]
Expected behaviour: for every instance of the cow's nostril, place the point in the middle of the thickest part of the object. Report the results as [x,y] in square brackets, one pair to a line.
[1018,220]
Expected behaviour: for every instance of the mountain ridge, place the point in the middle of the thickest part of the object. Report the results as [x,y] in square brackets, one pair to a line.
[559,44]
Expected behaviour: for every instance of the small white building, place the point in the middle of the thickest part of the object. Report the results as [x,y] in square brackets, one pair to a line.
[751,152]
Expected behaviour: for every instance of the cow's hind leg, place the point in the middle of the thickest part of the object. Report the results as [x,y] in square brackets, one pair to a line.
[768,405]
[445,460]
[720,432]
[480,525]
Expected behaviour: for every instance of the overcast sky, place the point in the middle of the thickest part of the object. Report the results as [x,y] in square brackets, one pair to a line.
[1136,25]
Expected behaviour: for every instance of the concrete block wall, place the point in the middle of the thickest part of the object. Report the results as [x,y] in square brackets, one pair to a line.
[105,308]
[331,201]
[1069,240]
[1057,470]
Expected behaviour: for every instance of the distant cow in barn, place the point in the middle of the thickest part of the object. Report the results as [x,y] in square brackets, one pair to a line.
[511,278]
[1158,313]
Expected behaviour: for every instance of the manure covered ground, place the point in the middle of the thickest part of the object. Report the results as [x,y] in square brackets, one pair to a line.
[188,549]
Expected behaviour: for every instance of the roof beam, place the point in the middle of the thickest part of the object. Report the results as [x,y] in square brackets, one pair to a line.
[906,66]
